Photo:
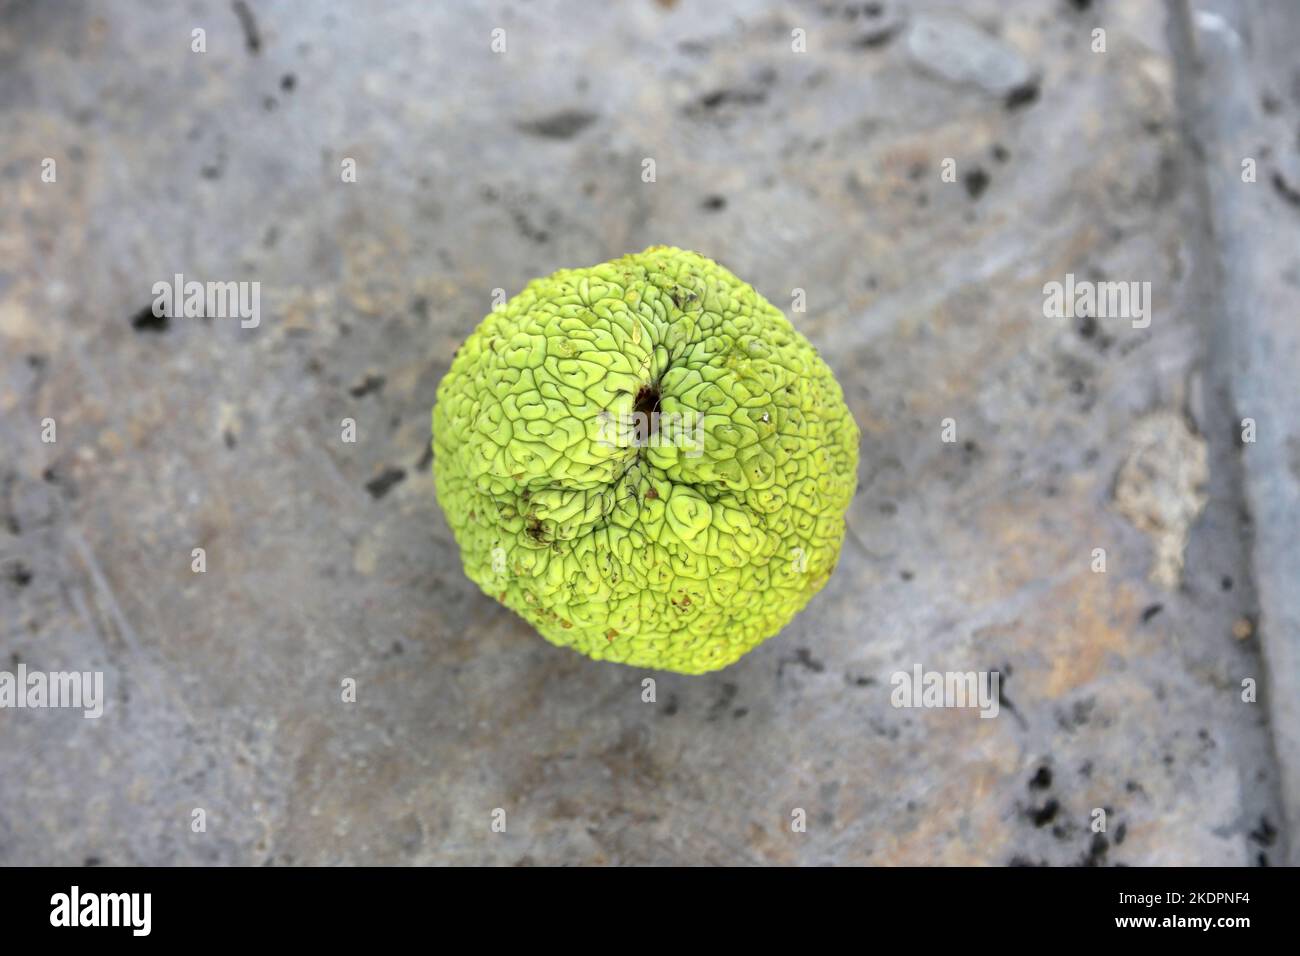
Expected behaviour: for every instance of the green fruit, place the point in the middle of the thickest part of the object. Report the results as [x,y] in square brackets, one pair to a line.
[646,461]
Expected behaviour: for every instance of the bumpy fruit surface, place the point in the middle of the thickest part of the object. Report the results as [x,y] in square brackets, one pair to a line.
[678,539]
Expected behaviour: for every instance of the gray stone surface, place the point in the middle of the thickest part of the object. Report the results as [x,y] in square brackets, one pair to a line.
[818,171]
[1247,89]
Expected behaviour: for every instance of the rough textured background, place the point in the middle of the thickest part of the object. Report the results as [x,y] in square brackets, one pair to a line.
[818,171]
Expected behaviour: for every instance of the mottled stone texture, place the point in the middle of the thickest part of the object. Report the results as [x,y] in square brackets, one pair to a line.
[819,171]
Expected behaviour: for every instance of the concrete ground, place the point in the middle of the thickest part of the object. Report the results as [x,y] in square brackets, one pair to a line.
[1077,439]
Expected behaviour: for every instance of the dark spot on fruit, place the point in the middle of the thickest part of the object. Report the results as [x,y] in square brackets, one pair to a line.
[647,405]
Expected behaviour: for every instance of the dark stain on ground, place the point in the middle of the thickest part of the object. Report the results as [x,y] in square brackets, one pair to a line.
[1286,190]
[527,229]
[426,459]
[876,39]
[1096,854]
[804,659]
[1151,611]
[382,483]
[720,706]
[20,575]
[1042,816]
[52,475]
[146,321]
[1042,779]
[1004,674]
[1024,95]
[288,82]
[714,203]
[369,384]
[716,99]
[248,23]
[670,708]
[229,438]
[1078,714]
[565,124]
[975,181]
[1265,834]
[860,681]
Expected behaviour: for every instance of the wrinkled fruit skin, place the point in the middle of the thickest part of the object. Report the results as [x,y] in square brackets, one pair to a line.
[645,552]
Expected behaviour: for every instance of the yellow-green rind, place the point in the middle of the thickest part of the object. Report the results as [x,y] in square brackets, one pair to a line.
[652,556]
